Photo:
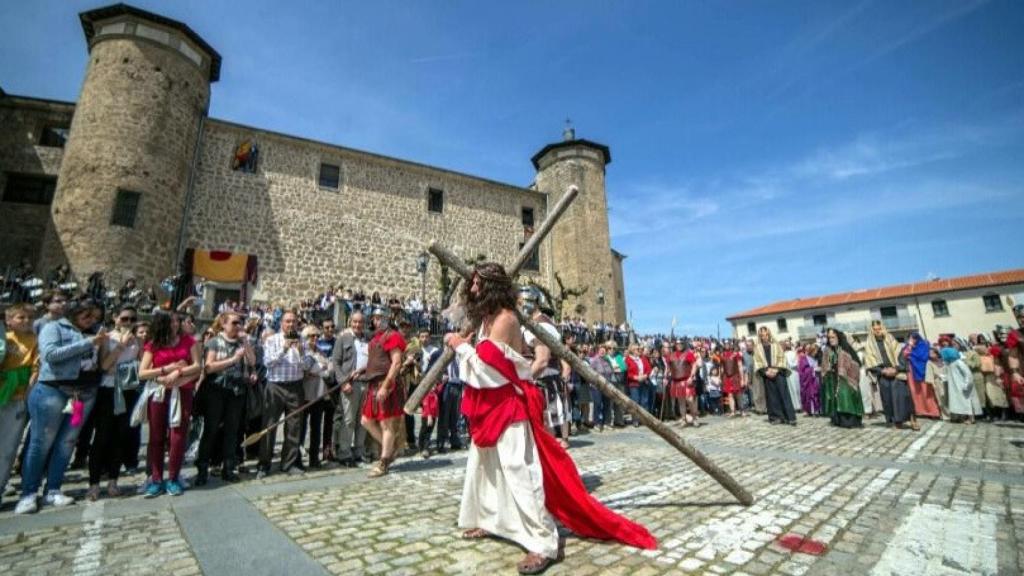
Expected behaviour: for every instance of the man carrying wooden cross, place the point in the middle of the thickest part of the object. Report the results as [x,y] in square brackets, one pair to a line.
[518,477]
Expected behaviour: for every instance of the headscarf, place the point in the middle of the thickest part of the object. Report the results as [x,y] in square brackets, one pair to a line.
[949,355]
[844,343]
[918,356]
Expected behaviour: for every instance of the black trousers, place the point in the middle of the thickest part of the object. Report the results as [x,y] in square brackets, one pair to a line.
[223,409]
[131,441]
[426,429]
[617,414]
[448,416]
[317,414]
[897,403]
[778,400]
[283,397]
[410,431]
[110,429]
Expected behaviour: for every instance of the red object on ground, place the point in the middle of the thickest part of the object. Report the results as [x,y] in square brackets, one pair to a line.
[802,544]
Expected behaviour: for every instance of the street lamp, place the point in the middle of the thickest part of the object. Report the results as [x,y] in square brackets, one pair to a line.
[421,266]
[600,302]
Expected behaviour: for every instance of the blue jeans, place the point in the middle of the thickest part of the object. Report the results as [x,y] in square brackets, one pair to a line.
[53,437]
[651,390]
[602,407]
[638,394]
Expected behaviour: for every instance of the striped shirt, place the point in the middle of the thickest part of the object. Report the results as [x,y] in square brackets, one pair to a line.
[285,364]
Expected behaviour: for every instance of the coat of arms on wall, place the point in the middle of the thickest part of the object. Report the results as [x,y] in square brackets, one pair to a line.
[246,157]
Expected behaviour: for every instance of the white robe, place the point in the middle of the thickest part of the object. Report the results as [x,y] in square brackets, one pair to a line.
[793,379]
[963,397]
[504,488]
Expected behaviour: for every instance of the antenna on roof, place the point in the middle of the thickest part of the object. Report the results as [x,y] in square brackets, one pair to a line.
[932,276]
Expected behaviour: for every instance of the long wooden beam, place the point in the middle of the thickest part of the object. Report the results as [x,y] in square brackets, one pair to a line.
[433,375]
[590,375]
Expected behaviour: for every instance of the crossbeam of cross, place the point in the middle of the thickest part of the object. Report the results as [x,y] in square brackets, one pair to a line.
[582,368]
[433,375]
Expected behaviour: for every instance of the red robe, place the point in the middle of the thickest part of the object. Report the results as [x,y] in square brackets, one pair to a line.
[490,411]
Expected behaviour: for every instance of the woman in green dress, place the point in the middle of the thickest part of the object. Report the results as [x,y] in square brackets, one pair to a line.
[840,385]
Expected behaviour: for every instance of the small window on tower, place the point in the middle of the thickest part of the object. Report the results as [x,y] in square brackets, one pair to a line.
[527,217]
[533,262]
[435,200]
[29,189]
[54,136]
[330,176]
[126,207]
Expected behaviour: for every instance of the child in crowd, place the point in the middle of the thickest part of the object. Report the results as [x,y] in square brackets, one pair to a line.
[18,371]
[715,392]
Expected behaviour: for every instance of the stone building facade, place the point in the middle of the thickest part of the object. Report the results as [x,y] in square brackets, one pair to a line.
[136,171]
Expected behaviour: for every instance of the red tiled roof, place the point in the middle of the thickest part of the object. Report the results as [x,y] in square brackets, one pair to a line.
[888,292]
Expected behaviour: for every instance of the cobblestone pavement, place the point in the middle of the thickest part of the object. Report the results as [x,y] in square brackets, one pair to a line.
[948,500]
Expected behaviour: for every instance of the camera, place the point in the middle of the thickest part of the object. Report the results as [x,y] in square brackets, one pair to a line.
[293,335]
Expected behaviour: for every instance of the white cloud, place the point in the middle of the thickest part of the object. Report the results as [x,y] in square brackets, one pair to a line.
[655,208]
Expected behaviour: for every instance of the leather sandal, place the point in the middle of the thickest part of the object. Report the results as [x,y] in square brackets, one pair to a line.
[475,534]
[534,564]
[382,467]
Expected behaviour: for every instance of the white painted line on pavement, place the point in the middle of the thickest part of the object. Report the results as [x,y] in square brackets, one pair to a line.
[940,542]
[89,556]
[911,452]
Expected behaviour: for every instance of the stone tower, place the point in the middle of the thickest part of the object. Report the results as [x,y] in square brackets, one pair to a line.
[581,252]
[124,181]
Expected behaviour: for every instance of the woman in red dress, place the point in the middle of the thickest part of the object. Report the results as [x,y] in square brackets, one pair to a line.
[382,409]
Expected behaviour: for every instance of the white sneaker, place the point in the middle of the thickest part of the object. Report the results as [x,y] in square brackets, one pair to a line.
[59,500]
[26,505]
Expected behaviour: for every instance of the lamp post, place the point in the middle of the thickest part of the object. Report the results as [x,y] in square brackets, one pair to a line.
[600,302]
[421,266]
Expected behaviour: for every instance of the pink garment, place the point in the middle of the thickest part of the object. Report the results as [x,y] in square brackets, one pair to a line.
[810,386]
[923,395]
[169,355]
[159,417]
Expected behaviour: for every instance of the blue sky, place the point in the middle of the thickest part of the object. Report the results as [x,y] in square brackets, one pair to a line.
[762,150]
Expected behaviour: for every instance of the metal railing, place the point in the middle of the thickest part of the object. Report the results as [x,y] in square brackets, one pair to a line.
[899,323]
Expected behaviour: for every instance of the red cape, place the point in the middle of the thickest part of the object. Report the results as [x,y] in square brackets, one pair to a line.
[565,496]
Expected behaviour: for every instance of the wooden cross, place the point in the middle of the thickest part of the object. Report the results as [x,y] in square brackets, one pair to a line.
[581,367]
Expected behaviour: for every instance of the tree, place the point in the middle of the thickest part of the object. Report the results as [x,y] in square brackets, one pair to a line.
[558,301]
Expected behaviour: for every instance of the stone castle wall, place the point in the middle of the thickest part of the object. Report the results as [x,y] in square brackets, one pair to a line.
[140,126]
[134,129]
[22,122]
[581,244]
[365,234]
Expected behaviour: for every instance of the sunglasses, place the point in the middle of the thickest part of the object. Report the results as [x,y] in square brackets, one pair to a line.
[127,319]
[234,323]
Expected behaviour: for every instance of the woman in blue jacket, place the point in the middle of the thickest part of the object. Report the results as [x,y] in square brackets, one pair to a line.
[58,403]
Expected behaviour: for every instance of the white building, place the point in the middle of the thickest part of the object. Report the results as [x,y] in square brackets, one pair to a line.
[962,306]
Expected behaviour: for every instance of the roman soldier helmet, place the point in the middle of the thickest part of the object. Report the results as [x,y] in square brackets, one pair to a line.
[531,298]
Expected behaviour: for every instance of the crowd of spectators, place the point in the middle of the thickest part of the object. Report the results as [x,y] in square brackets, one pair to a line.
[82,378]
